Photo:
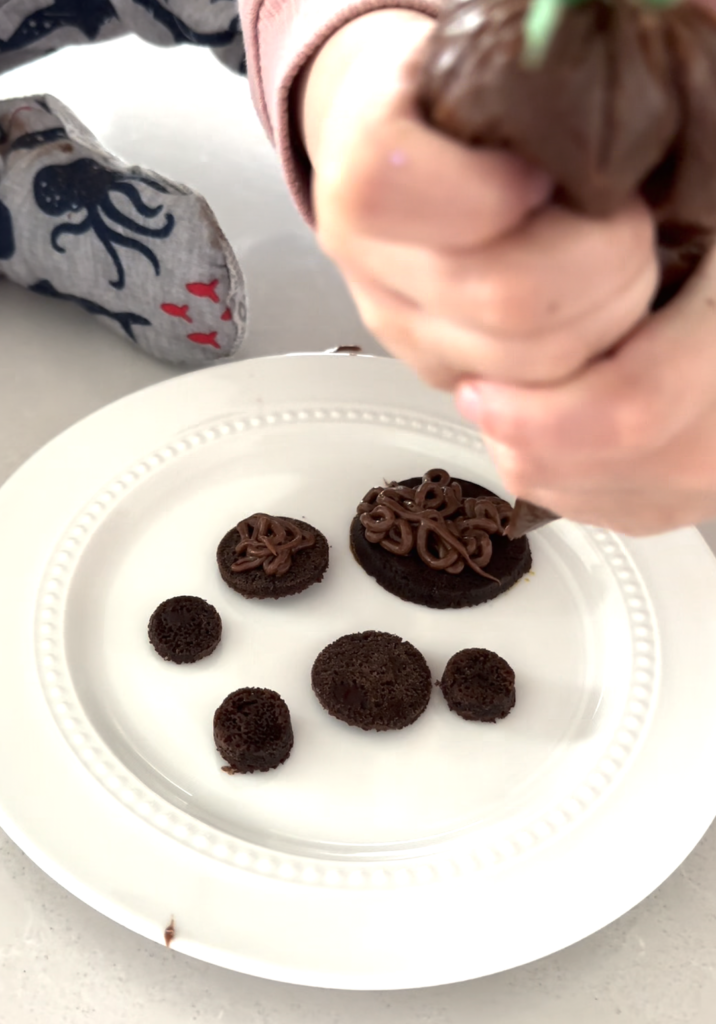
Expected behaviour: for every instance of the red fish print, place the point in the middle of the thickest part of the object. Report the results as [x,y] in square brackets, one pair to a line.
[226,315]
[204,291]
[181,311]
[205,339]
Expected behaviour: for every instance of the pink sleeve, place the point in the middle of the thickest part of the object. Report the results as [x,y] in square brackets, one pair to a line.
[280,38]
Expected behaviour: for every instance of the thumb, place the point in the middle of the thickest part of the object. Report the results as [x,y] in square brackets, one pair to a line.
[388,172]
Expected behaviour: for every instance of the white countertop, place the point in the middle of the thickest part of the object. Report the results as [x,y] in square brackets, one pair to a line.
[60,961]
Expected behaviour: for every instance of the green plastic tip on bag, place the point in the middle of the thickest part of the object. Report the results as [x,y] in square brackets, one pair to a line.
[542,21]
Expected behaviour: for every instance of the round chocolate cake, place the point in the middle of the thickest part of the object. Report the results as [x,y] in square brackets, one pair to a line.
[438,542]
[185,629]
[272,556]
[252,730]
[478,685]
[372,680]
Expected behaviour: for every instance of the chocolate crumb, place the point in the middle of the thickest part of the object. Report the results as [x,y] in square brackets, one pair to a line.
[169,933]
[252,730]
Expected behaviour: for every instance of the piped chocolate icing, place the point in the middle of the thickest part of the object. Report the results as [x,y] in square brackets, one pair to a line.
[448,530]
[434,571]
[268,556]
[269,543]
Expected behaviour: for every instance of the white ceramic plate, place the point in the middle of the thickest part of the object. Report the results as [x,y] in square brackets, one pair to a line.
[442,852]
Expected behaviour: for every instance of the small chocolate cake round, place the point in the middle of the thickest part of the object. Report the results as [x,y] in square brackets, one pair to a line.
[272,556]
[185,629]
[252,730]
[373,680]
[437,541]
[478,685]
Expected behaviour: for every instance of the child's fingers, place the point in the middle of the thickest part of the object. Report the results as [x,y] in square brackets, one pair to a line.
[637,512]
[443,353]
[615,422]
[624,406]
[411,185]
[530,310]
[379,169]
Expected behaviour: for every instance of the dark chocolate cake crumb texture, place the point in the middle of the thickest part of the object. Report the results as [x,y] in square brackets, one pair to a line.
[478,685]
[620,101]
[372,680]
[185,629]
[252,730]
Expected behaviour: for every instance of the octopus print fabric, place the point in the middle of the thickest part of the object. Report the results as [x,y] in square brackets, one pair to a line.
[140,252]
[30,28]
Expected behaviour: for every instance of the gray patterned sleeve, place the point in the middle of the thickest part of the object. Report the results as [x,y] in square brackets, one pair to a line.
[32,28]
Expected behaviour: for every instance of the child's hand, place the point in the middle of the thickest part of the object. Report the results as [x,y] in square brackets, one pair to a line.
[628,443]
[454,260]
[458,265]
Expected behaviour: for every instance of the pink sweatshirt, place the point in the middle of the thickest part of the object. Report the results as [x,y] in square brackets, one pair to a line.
[280,37]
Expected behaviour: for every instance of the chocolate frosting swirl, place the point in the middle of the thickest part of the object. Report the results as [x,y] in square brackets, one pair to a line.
[269,542]
[448,530]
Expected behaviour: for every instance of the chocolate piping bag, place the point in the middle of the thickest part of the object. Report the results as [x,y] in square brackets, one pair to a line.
[613,98]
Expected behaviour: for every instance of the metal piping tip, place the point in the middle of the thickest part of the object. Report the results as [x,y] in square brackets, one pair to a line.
[527,517]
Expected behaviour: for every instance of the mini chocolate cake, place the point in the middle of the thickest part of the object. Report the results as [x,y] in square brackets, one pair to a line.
[373,680]
[478,685]
[272,556]
[438,542]
[252,730]
[185,629]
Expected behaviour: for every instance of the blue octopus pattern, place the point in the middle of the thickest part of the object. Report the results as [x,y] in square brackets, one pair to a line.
[7,235]
[85,185]
[181,33]
[127,321]
[88,16]
[33,140]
